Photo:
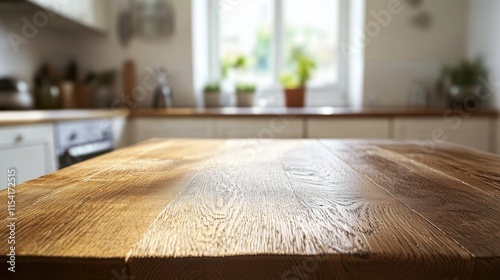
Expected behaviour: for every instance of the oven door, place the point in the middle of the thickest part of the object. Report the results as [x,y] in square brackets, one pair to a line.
[79,153]
[83,140]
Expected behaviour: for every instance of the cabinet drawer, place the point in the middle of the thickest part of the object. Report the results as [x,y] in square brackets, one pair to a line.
[144,129]
[30,162]
[273,127]
[26,135]
[475,132]
[497,138]
[349,128]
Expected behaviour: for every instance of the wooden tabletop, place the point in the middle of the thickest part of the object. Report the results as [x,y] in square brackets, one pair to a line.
[258,209]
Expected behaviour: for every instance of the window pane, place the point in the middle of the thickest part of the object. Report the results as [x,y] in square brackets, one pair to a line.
[247,30]
[311,26]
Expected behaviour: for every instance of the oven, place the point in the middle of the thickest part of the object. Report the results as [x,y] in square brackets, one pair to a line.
[83,140]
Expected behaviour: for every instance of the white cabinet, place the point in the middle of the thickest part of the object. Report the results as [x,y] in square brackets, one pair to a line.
[145,128]
[473,132]
[356,128]
[265,127]
[120,132]
[89,13]
[262,127]
[29,149]
[497,139]
[482,133]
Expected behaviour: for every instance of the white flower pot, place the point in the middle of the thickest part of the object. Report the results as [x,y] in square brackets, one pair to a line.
[212,99]
[244,99]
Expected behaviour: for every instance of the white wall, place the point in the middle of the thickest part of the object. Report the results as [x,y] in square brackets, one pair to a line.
[484,40]
[395,59]
[104,52]
[175,53]
[400,54]
[201,49]
[354,54]
[23,60]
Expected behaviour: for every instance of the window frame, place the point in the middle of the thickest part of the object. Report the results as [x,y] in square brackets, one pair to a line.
[337,89]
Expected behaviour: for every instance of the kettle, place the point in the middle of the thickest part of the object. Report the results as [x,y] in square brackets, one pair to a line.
[14,94]
[163,97]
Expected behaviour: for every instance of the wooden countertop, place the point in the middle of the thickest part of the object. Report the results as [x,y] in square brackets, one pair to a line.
[251,209]
[33,117]
[8,118]
[303,112]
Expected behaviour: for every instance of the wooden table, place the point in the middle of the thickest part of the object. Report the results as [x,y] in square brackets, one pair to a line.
[257,209]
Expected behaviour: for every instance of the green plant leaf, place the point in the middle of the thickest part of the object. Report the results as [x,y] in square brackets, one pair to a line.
[212,88]
[245,88]
[304,68]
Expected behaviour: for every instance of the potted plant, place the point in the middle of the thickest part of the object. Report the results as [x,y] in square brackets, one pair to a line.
[295,83]
[245,94]
[212,95]
[236,63]
[462,81]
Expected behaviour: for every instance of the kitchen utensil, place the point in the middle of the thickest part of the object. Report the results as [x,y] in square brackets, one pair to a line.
[68,99]
[155,19]
[83,93]
[163,97]
[419,95]
[14,94]
[104,88]
[126,24]
[129,82]
[48,96]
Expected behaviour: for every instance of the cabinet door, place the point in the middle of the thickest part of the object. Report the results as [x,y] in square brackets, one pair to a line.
[474,132]
[29,148]
[497,140]
[120,132]
[30,163]
[339,128]
[267,128]
[90,13]
[142,129]
[93,13]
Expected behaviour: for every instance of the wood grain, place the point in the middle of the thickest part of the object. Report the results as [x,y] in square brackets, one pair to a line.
[305,208]
[465,214]
[255,209]
[101,208]
[478,170]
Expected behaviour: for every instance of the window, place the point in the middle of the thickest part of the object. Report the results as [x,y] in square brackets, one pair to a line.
[268,33]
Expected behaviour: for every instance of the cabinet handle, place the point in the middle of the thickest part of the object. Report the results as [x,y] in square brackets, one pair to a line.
[19,138]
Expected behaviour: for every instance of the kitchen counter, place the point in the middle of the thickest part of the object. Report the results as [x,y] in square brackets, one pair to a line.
[8,118]
[302,112]
[33,117]
[251,209]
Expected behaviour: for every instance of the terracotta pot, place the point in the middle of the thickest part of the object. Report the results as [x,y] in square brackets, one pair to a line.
[295,97]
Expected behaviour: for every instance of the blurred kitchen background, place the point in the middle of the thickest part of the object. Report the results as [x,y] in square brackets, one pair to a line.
[135,69]
[402,55]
